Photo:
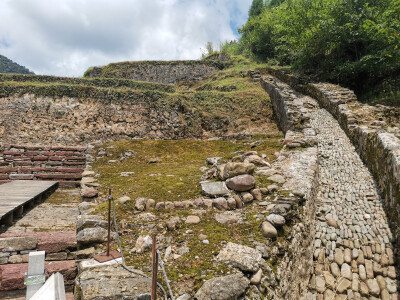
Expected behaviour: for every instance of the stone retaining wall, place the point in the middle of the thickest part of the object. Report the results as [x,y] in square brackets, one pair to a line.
[156,71]
[374,141]
[293,117]
[63,164]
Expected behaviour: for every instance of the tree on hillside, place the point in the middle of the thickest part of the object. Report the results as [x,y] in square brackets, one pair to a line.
[256,8]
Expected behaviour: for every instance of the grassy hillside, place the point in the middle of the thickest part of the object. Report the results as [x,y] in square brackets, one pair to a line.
[8,66]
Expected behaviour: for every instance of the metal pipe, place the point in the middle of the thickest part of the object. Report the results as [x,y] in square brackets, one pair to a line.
[154,270]
[109,222]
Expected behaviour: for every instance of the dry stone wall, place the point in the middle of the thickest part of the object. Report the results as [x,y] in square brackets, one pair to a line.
[301,168]
[376,141]
[62,164]
[35,120]
[157,71]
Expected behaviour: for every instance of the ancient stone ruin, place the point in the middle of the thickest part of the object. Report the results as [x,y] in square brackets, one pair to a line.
[310,215]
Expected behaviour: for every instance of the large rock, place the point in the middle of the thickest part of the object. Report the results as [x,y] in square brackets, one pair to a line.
[220,203]
[89,221]
[119,284]
[241,183]
[90,236]
[257,160]
[227,218]
[245,258]
[229,287]
[268,230]
[143,244]
[233,169]
[9,244]
[51,242]
[214,189]
[276,220]
[89,193]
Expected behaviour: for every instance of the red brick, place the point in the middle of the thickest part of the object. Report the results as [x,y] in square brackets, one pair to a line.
[74,163]
[40,158]
[23,158]
[58,176]
[58,158]
[69,184]
[7,169]
[22,163]
[4,163]
[73,148]
[25,171]
[65,153]
[14,146]
[80,158]
[4,181]
[4,176]
[13,153]
[44,169]
[37,148]
[69,170]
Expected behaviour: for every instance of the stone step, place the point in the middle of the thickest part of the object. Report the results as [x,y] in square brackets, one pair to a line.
[12,275]
[51,242]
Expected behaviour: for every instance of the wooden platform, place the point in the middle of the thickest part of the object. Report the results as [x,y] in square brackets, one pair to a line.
[18,195]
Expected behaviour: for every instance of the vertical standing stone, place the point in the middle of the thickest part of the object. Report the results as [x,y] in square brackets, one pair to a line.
[35,273]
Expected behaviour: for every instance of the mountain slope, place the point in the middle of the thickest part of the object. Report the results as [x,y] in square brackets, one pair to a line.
[8,66]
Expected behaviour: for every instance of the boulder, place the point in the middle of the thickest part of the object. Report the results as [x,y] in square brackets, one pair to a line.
[247,197]
[89,236]
[140,204]
[231,203]
[87,221]
[242,257]
[256,160]
[192,220]
[89,193]
[227,218]
[173,223]
[143,244]
[223,288]
[276,220]
[220,203]
[233,169]
[214,189]
[124,199]
[257,194]
[150,204]
[268,230]
[213,160]
[241,183]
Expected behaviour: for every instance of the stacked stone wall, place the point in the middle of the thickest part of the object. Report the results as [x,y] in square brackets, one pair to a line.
[293,117]
[62,164]
[157,71]
[379,148]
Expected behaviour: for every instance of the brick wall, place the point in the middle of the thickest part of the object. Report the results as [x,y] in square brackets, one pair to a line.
[62,164]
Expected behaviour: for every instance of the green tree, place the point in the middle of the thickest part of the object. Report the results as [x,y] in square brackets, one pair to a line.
[256,8]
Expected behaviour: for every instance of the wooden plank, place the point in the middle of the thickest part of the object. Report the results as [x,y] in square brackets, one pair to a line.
[17,193]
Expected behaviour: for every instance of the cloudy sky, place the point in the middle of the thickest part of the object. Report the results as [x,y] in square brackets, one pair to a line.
[65,37]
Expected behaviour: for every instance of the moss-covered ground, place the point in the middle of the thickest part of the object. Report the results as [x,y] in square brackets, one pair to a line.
[175,177]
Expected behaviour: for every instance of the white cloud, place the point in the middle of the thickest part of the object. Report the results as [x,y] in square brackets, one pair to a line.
[65,37]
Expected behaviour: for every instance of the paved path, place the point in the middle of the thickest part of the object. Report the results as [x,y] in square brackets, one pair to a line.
[353,256]
[16,194]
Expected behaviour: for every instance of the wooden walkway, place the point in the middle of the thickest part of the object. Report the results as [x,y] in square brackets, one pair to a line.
[19,195]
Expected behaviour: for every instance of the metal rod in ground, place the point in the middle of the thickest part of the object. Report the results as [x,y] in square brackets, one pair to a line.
[109,222]
[154,270]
